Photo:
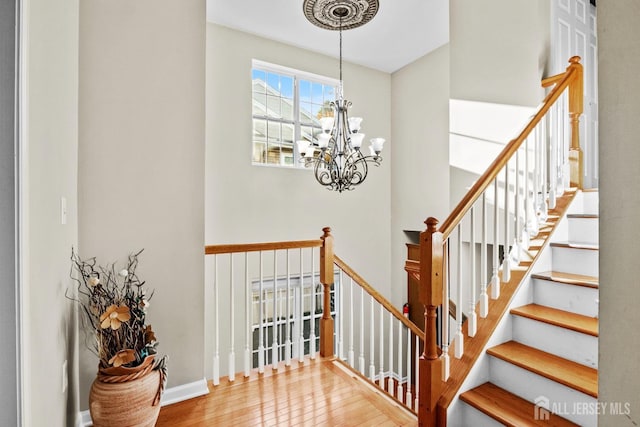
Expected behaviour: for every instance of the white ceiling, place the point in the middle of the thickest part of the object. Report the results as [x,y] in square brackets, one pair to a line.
[401,32]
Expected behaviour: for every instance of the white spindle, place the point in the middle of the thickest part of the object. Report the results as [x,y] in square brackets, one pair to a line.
[232,317]
[381,374]
[446,319]
[484,298]
[372,365]
[361,357]
[417,360]
[527,195]
[506,267]
[556,126]
[312,320]
[409,397]
[340,313]
[274,344]
[517,234]
[216,356]
[389,385]
[350,354]
[472,318]
[248,317]
[301,337]
[495,278]
[287,345]
[459,340]
[399,389]
[261,303]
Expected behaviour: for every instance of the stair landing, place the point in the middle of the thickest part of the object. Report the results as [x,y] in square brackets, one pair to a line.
[316,392]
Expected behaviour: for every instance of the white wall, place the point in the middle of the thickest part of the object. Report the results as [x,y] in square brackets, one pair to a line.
[8,306]
[141,162]
[50,156]
[246,203]
[420,135]
[619,91]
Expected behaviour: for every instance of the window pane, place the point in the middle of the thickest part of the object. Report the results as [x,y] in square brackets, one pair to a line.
[288,133]
[305,91]
[287,109]
[325,110]
[259,79]
[306,115]
[273,81]
[329,93]
[286,86]
[317,93]
[273,106]
[259,102]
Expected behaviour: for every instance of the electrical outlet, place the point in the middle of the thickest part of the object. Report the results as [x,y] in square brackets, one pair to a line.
[65,378]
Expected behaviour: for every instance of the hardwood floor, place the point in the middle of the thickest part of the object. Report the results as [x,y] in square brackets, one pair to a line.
[314,393]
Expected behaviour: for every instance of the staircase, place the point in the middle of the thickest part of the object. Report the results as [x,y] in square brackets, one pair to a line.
[545,370]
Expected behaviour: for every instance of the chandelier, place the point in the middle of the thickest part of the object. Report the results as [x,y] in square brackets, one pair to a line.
[336,156]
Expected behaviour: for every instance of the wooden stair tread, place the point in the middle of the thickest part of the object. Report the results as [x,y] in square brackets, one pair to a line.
[568,278]
[564,319]
[570,245]
[584,216]
[507,408]
[555,368]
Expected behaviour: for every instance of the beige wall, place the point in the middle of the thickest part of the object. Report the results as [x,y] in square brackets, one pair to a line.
[50,154]
[141,161]
[619,91]
[420,135]
[499,50]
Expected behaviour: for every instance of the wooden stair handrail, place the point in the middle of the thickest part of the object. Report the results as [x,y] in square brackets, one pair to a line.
[256,247]
[574,72]
[377,296]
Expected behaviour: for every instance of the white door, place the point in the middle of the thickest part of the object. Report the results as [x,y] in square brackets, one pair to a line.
[573,32]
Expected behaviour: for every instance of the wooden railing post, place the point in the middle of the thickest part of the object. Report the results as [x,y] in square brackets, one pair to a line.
[430,295]
[576,107]
[326,278]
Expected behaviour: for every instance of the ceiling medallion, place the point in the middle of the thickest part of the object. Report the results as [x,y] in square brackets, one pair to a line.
[333,14]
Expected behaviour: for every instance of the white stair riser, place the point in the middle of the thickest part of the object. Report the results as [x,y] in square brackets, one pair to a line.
[572,298]
[568,344]
[590,202]
[576,261]
[530,386]
[473,417]
[583,230]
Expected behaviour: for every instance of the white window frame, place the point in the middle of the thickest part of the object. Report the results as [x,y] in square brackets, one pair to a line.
[296,75]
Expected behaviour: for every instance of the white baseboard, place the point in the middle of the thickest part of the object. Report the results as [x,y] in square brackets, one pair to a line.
[171,395]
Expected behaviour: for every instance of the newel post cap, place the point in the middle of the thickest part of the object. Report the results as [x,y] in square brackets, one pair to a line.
[326,231]
[431,224]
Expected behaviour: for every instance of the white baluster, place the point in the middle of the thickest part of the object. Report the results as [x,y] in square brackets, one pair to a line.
[372,365]
[472,318]
[389,385]
[350,354]
[445,316]
[340,312]
[361,357]
[517,234]
[275,358]
[399,389]
[545,175]
[232,320]
[459,340]
[417,395]
[495,278]
[556,126]
[248,317]
[287,345]
[261,303]
[506,264]
[530,224]
[484,298]
[381,374]
[312,320]
[301,338]
[409,397]
[216,355]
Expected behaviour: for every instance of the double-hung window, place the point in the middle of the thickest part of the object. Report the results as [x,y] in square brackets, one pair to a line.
[287,107]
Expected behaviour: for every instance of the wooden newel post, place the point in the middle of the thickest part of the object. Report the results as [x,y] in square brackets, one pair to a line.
[576,107]
[326,278]
[430,295]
